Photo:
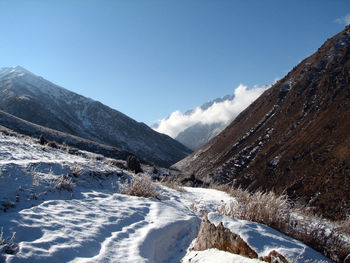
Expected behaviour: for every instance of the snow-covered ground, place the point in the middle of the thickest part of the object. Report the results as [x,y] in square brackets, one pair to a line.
[66,208]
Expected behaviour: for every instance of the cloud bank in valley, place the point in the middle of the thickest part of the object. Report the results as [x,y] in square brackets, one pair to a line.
[222,112]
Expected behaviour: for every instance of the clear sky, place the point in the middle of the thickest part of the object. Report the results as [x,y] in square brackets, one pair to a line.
[148,58]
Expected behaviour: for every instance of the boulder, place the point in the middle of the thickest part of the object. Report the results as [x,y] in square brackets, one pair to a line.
[211,236]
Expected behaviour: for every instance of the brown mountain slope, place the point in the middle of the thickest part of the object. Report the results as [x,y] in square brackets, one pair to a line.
[294,139]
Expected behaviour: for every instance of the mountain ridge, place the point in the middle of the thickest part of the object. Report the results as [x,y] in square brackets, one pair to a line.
[32,98]
[293,139]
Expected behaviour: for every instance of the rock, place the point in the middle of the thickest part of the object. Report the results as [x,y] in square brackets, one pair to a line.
[133,164]
[221,238]
[274,257]
[42,140]
[192,181]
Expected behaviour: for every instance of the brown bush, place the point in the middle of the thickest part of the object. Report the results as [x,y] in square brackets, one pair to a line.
[141,186]
[64,182]
[329,238]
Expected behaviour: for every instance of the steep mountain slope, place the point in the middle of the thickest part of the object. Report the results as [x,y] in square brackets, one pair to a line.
[294,138]
[37,100]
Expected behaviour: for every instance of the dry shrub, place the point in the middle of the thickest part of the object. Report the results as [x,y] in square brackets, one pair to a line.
[76,170]
[330,238]
[265,208]
[345,226]
[64,182]
[141,186]
[7,245]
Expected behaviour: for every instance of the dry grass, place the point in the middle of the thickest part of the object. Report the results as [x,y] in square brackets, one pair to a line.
[64,182]
[330,238]
[141,186]
[345,226]
[76,170]
[265,208]
[7,245]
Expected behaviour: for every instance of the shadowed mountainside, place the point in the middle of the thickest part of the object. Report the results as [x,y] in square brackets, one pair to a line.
[294,138]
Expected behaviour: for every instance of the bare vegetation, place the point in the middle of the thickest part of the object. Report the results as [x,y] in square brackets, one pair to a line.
[265,208]
[7,245]
[330,238]
[76,170]
[64,182]
[141,186]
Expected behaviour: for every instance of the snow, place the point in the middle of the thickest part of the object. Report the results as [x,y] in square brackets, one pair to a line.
[214,256]
[89,119]
[263,239]
[93,222]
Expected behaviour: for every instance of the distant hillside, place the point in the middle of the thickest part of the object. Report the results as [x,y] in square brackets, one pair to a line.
[294,138]
[21,126]
[199,133]
[39,101]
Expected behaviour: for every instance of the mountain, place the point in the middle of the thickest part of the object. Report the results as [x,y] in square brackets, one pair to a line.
[198,133]
[294,139]
[39,101]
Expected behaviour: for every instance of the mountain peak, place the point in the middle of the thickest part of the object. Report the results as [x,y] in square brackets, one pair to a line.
[22,69]
[34,99]
[17,71]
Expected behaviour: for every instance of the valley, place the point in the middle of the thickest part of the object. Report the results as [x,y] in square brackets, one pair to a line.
[258,177]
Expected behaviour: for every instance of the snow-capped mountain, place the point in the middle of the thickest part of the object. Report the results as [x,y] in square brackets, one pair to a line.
[198,133]
[196,127]
[294,139]
[32,98]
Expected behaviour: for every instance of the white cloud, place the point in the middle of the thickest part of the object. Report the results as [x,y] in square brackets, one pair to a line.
[344,20]
[222,112]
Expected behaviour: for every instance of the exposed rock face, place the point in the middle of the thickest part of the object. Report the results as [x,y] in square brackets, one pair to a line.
[252,240]
[275,257]
[39,101]
[211,236]
[293,139]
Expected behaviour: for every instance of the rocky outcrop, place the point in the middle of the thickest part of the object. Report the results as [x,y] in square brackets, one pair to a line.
[219,237]
[211,236]
[252,240]
[274,257]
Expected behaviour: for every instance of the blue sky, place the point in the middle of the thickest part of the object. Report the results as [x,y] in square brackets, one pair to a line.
[149,58]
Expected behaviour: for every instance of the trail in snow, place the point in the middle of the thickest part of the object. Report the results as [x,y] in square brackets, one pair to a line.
[94,223]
